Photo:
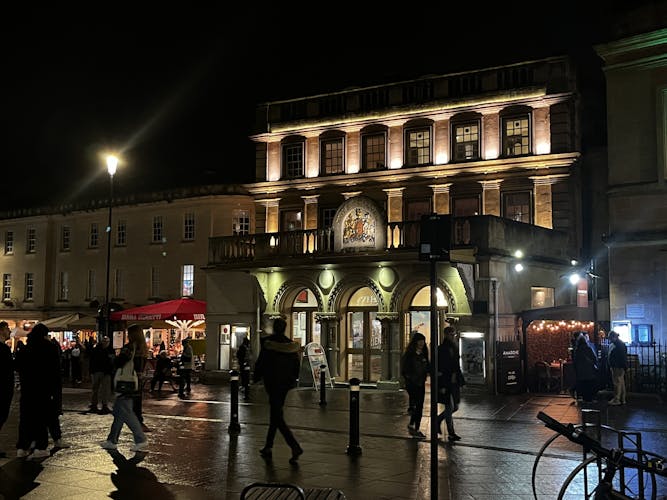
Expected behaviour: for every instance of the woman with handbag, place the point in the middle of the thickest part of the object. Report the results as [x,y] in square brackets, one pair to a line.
[126,386]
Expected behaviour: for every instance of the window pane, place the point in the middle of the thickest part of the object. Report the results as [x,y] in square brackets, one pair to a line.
[418,148]
[121,233]
[189,226]
[332,156]
[373,152]
[293,160]
[516,206]
[188,280]
[241,222]
[516,136]
[466,142]
[157,229]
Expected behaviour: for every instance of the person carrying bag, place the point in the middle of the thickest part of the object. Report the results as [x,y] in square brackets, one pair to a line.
[126,387]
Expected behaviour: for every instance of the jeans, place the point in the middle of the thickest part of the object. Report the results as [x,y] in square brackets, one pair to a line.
[123,413]
[417,393]
[184,381]
[448,416]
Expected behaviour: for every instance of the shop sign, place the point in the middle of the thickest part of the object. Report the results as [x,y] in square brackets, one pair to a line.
[316,358]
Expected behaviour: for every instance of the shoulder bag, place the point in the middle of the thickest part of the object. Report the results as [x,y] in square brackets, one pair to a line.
[125,380]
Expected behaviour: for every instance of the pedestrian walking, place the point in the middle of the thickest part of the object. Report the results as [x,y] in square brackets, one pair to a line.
[38,366]
[618,362]
[162,371]
[6,376]
[585,369]
[278,366]
[415,367]
[133,354]
[450,381]
[243,357]
[101,367]
[187,364]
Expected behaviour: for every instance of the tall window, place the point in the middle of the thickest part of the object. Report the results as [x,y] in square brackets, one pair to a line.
[189,226]
[516,135]
[418,146]
[465,206]
[29,294]
[119,284]
[121,233]
[157,229]
[241,222]
[290,220]
[516,206]
[6,286]
[331,160]
[9,242]
[466,141]
[63,285]
[65,235]
[31,240]
[91,285]
[373,151]
[188,280]
[94,236]
[155,281]
[327,220]
[293,160]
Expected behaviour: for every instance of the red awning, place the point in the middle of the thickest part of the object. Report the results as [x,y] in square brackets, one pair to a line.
[179,309]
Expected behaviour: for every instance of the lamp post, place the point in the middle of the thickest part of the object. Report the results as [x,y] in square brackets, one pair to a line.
[112,164]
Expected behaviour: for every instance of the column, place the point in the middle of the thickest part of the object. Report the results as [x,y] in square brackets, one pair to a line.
[395,147]
[312,157]
[491,138]
[441,142]
[329,337]
[441,198]
[543,199]
[394,214]
[491,197]
[310,223]
[272,214]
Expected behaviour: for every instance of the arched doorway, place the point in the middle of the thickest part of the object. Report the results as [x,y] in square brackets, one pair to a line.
[364,337]
[305,329]
[418,318]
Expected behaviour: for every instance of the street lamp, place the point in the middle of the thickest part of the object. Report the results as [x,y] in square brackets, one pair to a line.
[112,164]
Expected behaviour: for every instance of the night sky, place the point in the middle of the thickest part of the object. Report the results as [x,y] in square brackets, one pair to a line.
[175,90]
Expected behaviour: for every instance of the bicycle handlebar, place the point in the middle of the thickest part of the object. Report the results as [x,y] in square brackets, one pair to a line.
[578,436]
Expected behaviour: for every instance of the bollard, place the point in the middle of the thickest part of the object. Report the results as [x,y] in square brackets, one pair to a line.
[234,427]
[353,447]
[323,385]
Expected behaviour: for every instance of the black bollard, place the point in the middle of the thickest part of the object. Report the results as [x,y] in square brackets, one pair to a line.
[353,447]
[234,427]
[323,385]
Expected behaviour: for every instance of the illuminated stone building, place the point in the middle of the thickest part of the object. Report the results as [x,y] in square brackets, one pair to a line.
[342,182]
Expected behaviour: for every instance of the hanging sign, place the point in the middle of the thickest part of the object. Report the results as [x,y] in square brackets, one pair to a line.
[317,358]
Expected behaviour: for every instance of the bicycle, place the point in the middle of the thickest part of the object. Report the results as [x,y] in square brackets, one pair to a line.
[614,460]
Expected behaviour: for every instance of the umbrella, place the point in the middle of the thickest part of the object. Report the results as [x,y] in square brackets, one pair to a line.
[179,309]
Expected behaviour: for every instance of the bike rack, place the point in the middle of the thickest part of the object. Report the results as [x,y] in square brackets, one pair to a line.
[591,420]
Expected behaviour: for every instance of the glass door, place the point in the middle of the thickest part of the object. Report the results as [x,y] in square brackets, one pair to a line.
[364,360]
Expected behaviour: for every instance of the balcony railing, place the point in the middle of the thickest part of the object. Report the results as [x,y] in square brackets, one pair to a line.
[484,233]
[252,247]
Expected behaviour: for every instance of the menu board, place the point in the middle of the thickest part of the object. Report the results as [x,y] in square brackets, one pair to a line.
[316,358]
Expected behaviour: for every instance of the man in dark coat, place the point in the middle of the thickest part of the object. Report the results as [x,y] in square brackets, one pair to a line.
[101,369]
[450,380]
[278,365]
[618,362]
[6,376]
[243,357]
[38,364]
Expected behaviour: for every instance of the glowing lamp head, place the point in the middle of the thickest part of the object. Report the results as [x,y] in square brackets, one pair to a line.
[112,164]
[574,278]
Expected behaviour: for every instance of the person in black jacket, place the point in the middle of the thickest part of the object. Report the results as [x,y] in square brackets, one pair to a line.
[6,376]
[415,367]
[101,368]
[450,381]
[585,369]
[162,371]
[243,357]
[38,364]
[278,366]
[618,362]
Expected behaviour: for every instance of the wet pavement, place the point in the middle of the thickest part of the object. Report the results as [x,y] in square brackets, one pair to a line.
[192,454]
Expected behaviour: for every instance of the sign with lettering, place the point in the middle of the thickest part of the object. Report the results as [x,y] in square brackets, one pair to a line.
[316,358]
